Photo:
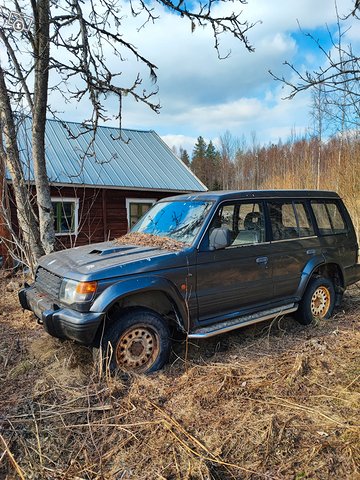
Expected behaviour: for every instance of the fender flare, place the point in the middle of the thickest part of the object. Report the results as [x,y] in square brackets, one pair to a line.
[126,287]
[307,272]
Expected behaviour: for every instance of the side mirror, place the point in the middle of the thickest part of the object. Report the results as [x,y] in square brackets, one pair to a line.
[219,238]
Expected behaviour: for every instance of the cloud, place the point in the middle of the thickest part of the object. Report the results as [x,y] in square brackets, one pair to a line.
[177,141]
[284,15]
[201,95]
[230,113]
[244,117]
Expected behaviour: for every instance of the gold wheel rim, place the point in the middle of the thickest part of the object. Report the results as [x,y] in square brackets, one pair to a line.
[137,348]
[320,302]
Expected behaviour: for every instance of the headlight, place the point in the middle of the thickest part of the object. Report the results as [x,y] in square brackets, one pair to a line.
[77,292]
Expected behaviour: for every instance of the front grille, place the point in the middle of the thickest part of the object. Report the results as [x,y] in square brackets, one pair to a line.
[48,282]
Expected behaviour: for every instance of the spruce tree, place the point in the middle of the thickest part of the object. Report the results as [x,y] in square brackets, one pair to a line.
[198,163]
[184,156]
[213,166]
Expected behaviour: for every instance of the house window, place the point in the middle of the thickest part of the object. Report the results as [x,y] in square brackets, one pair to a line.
[136,208]
[65,215]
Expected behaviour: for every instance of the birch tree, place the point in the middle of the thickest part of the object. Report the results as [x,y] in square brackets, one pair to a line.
[61,47]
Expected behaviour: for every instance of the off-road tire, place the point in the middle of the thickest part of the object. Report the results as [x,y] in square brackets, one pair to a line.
[138,341]
[318,301]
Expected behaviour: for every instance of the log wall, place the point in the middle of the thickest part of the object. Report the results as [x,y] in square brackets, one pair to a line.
[102,213]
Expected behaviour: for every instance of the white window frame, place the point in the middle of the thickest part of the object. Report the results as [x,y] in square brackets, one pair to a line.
[151,201]
[76,214]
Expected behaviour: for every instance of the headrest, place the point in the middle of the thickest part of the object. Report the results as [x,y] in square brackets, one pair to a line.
[252,221]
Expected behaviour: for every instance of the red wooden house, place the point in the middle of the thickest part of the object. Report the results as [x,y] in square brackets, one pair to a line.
[100,186]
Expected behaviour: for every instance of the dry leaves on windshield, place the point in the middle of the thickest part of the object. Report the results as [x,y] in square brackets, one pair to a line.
[147,240]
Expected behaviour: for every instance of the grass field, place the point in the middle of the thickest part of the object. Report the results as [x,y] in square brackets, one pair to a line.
[274,401]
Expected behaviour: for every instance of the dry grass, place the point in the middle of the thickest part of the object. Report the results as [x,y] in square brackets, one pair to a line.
[275,401]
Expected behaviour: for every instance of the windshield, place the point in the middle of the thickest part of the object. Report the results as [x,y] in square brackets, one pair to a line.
[180,221]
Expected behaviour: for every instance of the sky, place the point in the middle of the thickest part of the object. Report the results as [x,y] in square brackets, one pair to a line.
[202,95]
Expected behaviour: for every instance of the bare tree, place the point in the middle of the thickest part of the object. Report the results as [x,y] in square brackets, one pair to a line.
[61,47]
[335,90]
[228,144]
[317,114]
[338,78]
[10,157]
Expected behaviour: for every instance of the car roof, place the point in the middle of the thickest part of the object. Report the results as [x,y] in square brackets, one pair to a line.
[251,194]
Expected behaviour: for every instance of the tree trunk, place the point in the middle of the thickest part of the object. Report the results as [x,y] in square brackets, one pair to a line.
[42,52]
[26,216]
[5,236]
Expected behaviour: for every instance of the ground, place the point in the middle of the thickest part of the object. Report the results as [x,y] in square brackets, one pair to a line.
[274,401]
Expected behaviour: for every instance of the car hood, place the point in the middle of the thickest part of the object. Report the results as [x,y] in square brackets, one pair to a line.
[107,260]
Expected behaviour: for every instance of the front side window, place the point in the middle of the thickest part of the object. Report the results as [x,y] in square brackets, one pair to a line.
[244,220]
[65,215]
[180,221]
[328,217]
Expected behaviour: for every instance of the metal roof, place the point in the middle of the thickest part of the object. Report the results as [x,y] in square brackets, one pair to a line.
[139,160]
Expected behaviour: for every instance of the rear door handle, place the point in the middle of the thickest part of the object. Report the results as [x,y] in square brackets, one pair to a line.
[262,260]
[311,251]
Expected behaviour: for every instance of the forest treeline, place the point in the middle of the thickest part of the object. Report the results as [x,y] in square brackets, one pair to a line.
[304,163]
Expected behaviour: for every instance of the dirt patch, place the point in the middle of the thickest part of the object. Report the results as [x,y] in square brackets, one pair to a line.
[274,401]
[147,240]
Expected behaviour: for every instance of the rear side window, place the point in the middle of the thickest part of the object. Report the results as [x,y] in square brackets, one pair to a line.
[328,217]
[305,226]
[288,216]
[289,220]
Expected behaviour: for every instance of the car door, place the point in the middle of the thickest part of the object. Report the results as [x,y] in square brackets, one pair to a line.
[238,277]
[293,244]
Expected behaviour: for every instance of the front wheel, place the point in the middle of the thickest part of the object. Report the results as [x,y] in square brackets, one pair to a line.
[139,341]
[318,301]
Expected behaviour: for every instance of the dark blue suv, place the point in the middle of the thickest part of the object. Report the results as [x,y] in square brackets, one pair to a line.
[203,264]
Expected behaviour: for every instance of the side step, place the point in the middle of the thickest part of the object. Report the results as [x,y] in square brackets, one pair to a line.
[234,323]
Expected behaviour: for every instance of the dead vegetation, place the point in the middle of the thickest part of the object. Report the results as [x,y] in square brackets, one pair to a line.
[148,240]
[275,401]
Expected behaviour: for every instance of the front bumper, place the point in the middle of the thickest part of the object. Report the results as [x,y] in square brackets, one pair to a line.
[61,322]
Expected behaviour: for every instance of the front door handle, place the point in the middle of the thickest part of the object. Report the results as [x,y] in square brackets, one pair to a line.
[262,260]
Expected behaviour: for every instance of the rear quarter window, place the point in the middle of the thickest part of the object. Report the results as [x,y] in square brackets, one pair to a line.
[328,217]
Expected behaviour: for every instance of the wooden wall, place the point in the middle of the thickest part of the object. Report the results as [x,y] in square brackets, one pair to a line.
[102,213]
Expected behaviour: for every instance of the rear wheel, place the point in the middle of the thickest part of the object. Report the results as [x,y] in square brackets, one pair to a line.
[139,341]
[318,301]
